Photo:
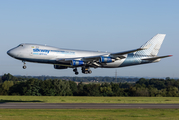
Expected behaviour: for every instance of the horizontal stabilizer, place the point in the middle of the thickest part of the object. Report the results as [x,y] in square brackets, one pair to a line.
[154,58]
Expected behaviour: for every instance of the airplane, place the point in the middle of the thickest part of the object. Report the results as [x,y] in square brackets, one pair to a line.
[69,58]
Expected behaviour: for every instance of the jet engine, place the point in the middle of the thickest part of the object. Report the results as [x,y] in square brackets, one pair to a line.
[106,60]
[77,63]
[60,67]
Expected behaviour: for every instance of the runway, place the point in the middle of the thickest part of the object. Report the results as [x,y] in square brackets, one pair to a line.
[85,106]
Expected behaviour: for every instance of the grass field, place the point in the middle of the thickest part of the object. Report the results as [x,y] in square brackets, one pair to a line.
[84,114]
[88,114]
[74,99]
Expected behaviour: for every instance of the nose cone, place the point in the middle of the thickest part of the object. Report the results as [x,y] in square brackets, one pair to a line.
[11,53]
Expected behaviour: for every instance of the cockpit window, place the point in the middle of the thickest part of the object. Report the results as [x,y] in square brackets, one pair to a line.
[20,45]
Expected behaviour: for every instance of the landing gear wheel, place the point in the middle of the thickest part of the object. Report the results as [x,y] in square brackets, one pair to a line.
[76,73]
[89,71]
[86,70]
[75,70]
[24,67]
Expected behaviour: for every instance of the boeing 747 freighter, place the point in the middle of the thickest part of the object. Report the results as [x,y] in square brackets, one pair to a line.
[69,58]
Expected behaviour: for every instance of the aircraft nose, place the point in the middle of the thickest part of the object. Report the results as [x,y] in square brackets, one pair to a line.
[10,53]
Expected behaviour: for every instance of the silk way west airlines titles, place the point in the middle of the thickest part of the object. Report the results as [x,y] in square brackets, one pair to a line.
[68,58]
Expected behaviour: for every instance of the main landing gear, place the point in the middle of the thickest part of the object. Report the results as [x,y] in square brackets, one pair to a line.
[76,71]
[86,70]
[24,66]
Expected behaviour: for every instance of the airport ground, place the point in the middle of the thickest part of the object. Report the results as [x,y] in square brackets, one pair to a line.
[86,99]
[90,114]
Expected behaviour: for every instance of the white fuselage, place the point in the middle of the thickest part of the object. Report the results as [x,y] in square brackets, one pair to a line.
[46,54]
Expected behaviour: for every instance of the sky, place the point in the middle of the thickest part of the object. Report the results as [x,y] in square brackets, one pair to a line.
[104,25]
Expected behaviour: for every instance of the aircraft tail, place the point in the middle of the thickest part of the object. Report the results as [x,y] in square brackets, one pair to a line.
[152,46]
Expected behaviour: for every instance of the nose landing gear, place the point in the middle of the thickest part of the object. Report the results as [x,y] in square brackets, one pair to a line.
[24,66]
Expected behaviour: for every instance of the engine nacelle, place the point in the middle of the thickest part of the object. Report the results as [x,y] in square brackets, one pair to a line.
[77,63]
[106,60]
[60,67]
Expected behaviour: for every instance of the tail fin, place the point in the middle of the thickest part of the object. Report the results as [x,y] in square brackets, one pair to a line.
[153,45]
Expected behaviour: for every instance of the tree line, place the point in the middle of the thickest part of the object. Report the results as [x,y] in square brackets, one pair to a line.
[83,79]
[11,85]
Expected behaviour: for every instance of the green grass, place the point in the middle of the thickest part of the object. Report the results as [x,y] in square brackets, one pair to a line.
[88,114]
[75,99]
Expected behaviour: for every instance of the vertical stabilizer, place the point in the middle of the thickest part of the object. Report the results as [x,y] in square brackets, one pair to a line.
[153,45]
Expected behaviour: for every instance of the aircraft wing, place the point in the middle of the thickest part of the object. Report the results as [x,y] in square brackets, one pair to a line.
[94,60]
[154,58]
